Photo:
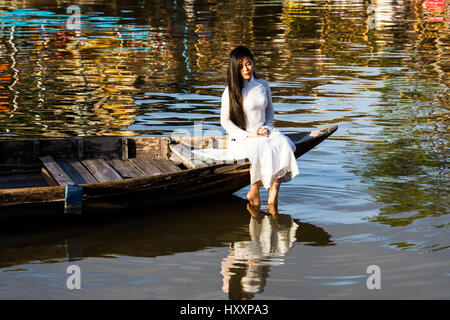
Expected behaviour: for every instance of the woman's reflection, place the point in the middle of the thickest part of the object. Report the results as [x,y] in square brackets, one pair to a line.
[246,269]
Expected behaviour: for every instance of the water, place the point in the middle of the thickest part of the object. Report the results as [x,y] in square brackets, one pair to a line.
[375,193]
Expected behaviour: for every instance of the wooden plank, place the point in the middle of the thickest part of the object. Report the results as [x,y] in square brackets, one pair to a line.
[36,150]
[165,166]
[124,148]
[101,170]
[16,152]
[165,151]
[202,142]
[59,148]
[126,168]
[80,148]
[102,147]
[146,166]
[76,171]
[132,187]
[23,180]
[48,178]
[146,147]
[55,170]
[185,154]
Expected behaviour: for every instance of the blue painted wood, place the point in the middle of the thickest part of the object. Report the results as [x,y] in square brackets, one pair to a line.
[73,199]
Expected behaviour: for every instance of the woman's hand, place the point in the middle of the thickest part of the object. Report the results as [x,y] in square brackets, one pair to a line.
[261,132]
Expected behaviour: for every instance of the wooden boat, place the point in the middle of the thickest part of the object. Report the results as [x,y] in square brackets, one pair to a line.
[120,171]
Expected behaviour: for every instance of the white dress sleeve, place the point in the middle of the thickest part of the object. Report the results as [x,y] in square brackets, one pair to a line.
[233,130]
[270,114]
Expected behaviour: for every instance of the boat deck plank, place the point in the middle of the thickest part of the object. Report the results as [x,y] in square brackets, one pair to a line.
[101,170]
[184,153]
[126,168]
[165,166]
[55,170]
[146,166]
[77,172]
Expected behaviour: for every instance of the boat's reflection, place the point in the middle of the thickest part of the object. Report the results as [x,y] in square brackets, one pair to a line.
[272,235]
[257,240]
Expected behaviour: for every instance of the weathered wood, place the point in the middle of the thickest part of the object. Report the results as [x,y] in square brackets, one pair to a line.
[80,148]
[36,150]
[124,142]
[48,178]
[40,195]
[55,170]
[165,150]
[162,187]
[101,170]
[59,148]
[202,142]
[175,159]
[146,166]
[165,166]
[184,152]
[16,152]
[148,147]
[76,171]
[125,168]
[23,180]
[102,147]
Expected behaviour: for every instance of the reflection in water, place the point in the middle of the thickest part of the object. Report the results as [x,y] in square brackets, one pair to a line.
[149,232]
[255,246]
[246,269]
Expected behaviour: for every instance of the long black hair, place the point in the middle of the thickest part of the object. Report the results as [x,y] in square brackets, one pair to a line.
[236,83]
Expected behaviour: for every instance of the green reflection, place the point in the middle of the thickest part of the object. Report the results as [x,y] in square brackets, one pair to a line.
[407,169]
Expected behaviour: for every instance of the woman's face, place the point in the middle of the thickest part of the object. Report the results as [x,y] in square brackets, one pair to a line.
[246,68]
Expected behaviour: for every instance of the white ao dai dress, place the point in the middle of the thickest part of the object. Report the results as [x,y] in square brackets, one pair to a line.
[270,157]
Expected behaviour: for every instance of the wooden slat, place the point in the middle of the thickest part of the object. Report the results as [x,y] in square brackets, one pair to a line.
[36,150]
[48,178]
[76,171]
[126,168]
[185,154]
[101,170]
[55,170]
[124,142]
[165,166]
[102,147]
[80,148]
[146,166]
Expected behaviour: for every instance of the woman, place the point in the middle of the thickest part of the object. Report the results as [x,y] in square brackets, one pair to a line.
[247,115]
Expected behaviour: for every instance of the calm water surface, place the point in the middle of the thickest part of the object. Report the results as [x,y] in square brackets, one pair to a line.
[375,193]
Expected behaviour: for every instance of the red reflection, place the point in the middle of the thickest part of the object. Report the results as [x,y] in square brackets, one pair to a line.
[5,79]
[434,7]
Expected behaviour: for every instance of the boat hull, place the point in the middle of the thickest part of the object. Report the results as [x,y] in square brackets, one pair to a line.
[188,184]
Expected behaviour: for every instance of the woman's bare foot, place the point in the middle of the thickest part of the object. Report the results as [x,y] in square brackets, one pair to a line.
[253,194]
[273,193]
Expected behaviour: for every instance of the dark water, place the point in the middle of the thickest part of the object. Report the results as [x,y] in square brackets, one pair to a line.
[375,193]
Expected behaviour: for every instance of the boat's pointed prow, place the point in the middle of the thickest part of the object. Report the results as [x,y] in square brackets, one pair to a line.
[305,141]
[324,132]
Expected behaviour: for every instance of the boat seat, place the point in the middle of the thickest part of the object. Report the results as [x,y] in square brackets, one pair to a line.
[184,153]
